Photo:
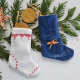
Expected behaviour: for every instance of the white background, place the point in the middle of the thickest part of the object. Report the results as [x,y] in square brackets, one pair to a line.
[50,69]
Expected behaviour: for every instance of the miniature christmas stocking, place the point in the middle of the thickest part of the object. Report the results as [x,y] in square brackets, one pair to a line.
[51,43]
[20,53]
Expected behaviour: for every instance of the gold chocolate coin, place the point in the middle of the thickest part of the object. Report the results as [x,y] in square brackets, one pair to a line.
[21,25]
[28,15]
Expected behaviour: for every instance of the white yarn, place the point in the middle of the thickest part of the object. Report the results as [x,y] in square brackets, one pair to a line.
[20,53]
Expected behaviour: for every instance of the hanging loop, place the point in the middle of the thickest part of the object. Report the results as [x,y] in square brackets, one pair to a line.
[17,17]
[37,9]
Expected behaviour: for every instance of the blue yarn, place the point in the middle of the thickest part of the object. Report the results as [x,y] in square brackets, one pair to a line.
[49,30]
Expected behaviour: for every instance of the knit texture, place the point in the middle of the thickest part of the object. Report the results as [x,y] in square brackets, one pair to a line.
[49,30]
[20,53]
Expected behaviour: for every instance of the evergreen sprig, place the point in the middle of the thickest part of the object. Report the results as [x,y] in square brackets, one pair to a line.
[13,11]
[4,5]
[45,5]
[4,54]
[60,10]
[75,24]
[2,33]
[0,76]
[8,39]
[77,18]
[70,13]
[37,39]
[66,28]
[36,32]
[64,39]
[73,21]
[31,1]
[34,46]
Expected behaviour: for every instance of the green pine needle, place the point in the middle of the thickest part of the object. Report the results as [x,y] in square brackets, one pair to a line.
[45,5]
[2,33]
[54,10]
[60,10]
[36,32]
[75,24]
[13,11]
[0,76]
[37,39]
[8,39]
[66,28]
[31,1]
[34,1]
[77,18]
[4,54]
[64,39]
[34,46]
[4,5]
[70,13]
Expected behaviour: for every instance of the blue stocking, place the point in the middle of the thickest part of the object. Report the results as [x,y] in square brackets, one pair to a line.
[49,31]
